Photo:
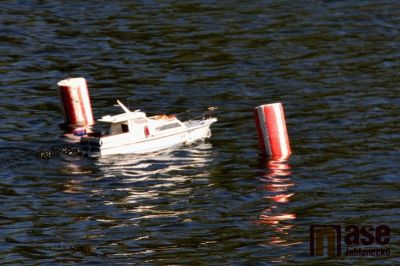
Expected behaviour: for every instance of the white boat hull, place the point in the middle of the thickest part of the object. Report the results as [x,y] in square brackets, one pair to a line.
[125,144]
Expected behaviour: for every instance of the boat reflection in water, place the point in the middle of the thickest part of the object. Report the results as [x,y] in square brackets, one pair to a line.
[132,166]
[278,185]
[143,182]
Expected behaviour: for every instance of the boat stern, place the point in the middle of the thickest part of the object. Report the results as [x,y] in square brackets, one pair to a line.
[91,146]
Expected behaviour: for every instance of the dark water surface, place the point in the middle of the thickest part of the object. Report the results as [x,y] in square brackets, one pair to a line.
[334,65]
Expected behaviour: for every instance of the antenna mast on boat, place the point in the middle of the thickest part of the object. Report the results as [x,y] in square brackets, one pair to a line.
[124,107]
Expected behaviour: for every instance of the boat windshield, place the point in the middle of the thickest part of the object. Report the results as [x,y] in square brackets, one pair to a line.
[118,128]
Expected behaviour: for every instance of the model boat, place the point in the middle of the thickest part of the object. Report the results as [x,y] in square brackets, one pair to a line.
[133,132]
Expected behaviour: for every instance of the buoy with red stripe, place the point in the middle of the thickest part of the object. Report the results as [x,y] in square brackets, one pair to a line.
[76,102]
[271,129]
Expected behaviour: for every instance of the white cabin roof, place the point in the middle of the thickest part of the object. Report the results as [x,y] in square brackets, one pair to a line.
[122,117]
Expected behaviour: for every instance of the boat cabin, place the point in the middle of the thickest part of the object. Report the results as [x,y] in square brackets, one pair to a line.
[125,123]
[139,126]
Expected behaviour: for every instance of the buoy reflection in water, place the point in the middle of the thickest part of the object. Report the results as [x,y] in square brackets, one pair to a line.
[278,184]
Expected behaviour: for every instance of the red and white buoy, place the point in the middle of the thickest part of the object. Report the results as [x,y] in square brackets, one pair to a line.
[76,102]
[271,129]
